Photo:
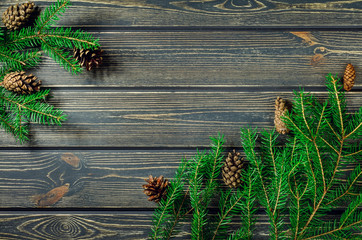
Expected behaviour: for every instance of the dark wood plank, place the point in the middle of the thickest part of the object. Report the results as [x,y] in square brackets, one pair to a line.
[101,179]
[291,13]
[214,59]
[108,226]
[156,119]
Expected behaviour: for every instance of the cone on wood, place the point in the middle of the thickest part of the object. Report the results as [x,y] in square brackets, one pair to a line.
[348,78]
[231,171]
[21,83]
[280,110]
[88,58]
[156,188]
[17,16]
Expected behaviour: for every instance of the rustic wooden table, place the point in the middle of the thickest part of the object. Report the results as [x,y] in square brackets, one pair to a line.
[175,72]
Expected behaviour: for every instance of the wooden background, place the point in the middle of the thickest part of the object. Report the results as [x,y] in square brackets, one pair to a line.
[175,73]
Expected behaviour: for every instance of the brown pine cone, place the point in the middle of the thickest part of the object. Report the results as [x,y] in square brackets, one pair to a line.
[156,188]
[231,171]
[348,78]
[280,110]
[17,16]
[88,58]
[21,83]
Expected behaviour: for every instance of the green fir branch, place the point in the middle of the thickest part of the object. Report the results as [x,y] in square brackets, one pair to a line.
[20,50]
[213,168]
[36,111]
[22,39]
[164,211]
[68,38]
[64,58]
[248,138]
[230,204]
[197,174]
[9,124]
[51,14]
[248,208]
[305,176]
[1,34]
[181,208]
[11,59]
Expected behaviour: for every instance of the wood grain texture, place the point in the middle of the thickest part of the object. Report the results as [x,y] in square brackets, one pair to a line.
[107,226]
[104,178]
[157,119]
[231,13]
[268,59]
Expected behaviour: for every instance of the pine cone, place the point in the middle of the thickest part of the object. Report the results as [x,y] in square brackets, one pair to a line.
[21,83]
[156,188]
[231,171]
[280,110]
[17,16]
[88,58]
[348,78]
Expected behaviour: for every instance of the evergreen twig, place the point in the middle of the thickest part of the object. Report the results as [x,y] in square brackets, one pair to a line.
[303,178]
[19,51]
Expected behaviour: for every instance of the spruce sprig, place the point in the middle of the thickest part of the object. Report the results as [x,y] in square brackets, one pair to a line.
[201,173]
[51,14]
[248,207]
[297,183]
[169,211]
[22,50]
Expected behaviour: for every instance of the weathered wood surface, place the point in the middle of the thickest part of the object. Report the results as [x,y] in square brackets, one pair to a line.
[267,59]
[101,179]
[97,178]
[175,73]
[157,118]
[109,226]
[215,13]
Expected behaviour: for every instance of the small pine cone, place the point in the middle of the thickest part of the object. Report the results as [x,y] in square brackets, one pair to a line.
[231,171]
[280,110]
[156,188]
[21,83]
[88,58]
[17,16]
[348,78]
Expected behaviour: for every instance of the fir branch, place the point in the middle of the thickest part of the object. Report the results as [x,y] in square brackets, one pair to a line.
[66,37]
[51,14]
[291,124]
[313,176]
[197,167]
[163,212]
[213,168]
[19,51]
[248,209]
[23,38]
[351,154]
[335,230]
[355,131]
[64,58]
[11,59]
[8,122]
[329,145]
[1,34]
[36,111]
[248,138]
[351,210]
[344,190]
[230,204]
[305,175]
[338,101]
[181,209]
